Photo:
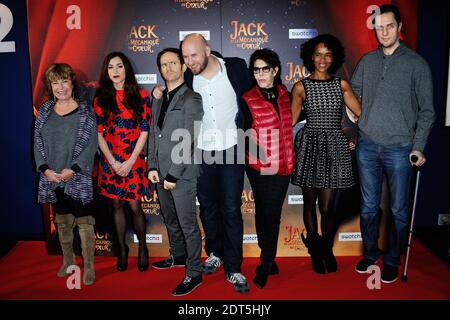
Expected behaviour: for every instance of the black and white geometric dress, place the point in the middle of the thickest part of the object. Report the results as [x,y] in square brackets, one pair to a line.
[321,147]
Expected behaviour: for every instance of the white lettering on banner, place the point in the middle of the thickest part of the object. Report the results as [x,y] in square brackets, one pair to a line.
[250,238]
[73,21]
[149,78]
[6,23]
[374,281]
[303,33]
[74,280]
[150,238]
[350,236]
[375,10]
[204,33]
[295,199]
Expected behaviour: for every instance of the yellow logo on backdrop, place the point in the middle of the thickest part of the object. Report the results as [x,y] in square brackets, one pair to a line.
[296,72]
[194,4]
[150,205]
[292,239]
[248,35]
[143,38]
[102,242]
[248,202]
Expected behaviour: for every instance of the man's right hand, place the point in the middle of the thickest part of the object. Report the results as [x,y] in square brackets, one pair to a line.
[158,91]
[153,176]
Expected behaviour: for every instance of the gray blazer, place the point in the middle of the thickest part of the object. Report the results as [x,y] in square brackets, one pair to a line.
[185,108]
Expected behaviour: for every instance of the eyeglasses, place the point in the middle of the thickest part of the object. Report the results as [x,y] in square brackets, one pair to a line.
[264,69]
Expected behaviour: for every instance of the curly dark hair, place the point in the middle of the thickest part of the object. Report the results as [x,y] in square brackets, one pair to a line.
[332,43]
[268,56]
[106,93]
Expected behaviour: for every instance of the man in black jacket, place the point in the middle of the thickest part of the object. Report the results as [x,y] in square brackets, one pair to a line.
[220,82]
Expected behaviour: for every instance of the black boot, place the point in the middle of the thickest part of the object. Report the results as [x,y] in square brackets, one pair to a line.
[274,269]
[328,256]
[262,274]
[313,243]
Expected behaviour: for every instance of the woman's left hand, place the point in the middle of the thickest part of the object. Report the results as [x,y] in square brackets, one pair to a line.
[66,174]
[125,168]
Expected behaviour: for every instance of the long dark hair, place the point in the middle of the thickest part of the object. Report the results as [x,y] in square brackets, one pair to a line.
[106,93]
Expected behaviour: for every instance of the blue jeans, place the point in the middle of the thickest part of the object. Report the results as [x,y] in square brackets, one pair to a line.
[373,160]
[219,192]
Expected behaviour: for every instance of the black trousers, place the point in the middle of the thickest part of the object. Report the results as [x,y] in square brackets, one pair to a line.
[269,192]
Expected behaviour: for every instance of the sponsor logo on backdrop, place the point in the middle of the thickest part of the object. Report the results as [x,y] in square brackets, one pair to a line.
[248,36]
[298,3]
[295,199]
[204,33]
[149,78]
[248,202]
[296,72]
[292,239]
[150,204]
[103,244]
[250,238]
[149,238]
[194,4]
[350,236]
[143,38]
[303,33]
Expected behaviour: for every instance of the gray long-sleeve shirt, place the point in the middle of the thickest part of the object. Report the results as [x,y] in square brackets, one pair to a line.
[397,97]
[59,136]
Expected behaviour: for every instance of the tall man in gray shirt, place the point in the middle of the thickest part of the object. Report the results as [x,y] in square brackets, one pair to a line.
[395,86]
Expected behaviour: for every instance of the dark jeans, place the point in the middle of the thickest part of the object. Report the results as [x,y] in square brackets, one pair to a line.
[269,192]
[219,191]
[373,160]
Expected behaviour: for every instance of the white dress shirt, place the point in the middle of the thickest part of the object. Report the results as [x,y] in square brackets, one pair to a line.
[218,130]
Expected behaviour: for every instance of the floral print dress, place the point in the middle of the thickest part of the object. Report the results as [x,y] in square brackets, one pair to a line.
[121,132]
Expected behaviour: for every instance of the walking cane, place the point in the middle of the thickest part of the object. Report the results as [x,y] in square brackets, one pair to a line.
[405,270]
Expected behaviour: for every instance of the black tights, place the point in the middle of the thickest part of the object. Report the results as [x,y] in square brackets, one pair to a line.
[326,207]
[120,221]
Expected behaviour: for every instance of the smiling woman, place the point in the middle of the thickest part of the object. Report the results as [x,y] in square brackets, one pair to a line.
[65,159]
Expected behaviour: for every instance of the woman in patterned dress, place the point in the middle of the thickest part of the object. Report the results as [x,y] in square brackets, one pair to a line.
[322,149]
[123,115]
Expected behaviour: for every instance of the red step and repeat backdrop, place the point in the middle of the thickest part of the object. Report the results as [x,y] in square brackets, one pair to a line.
[83,32]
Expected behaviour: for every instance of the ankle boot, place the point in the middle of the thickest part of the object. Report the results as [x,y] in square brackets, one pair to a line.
[262,274]
[143,258]
[87,236]
[328,256]
[64,223]
[274,269]
[314,245]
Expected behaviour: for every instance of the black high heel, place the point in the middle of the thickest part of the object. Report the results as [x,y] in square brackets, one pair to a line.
[122,260]
[143,258]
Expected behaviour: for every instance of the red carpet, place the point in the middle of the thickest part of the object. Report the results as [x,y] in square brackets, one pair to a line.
[26,272]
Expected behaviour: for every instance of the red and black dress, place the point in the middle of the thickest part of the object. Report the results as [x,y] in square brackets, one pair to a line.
[121,133]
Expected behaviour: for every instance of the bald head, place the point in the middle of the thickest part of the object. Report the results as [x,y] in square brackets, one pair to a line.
[195,52]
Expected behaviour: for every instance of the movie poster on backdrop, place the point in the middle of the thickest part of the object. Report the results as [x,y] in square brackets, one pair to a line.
[74,32]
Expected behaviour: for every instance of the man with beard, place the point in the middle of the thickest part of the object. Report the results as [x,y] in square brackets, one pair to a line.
[220,82]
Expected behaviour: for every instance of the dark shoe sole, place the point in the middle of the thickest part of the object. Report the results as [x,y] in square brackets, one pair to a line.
[184,294]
